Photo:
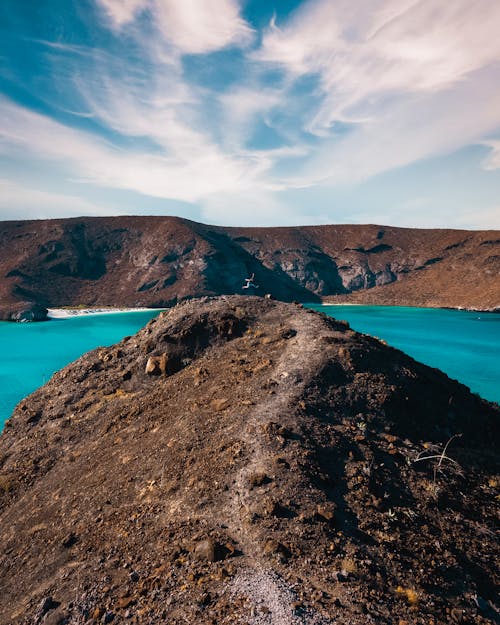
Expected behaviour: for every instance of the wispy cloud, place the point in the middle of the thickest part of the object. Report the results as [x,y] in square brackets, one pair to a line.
[368,51]
[192,170]
[411,79]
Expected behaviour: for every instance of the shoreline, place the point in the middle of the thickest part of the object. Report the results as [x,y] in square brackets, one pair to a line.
[69,313]
[494,309]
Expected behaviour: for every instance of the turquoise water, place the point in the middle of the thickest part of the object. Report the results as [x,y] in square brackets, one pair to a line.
[31,352]
[465,345]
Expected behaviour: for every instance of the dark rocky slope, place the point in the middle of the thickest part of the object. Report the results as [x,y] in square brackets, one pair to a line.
[157,261]
[250,462]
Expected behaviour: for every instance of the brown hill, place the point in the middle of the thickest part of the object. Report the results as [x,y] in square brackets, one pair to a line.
[250,462]
[158,261]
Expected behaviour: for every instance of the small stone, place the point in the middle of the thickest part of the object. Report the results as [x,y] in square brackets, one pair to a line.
[109,617]
[47,604]
[326,511]
[275,547]
[97,613]
[205,550]
[156,365]
[69,540]
[220,404]
[124,602]
[277,509]
[57,617]
[259,479]
[134,576]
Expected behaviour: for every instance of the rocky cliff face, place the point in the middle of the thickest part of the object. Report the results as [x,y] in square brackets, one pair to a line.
[146,261]
[251,462]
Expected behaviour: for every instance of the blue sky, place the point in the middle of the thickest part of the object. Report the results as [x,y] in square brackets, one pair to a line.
[252,112]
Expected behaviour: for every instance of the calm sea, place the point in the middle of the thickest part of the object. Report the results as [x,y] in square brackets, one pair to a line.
[463,344]
[31,352]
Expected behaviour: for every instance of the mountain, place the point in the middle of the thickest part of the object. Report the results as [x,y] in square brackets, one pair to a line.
[247,461]
[158,261]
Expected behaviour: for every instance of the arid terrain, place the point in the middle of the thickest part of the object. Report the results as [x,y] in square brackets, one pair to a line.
[158,261]
[245,461]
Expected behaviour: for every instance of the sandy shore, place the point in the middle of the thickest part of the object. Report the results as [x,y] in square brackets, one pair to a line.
[66,313]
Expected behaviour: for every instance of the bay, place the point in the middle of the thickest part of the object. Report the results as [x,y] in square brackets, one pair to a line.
[31,352]
[463,344]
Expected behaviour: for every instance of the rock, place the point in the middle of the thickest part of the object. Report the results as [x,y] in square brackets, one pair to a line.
[156,365]
[47,604]
[270,507]
[326,511]
[220,404]
[210,550]
[124,602]
[57,617]
[69,540]
[134,576]
[273,546]
[166,364]
[31,312]
[205,550]
[98,613]
[259,479]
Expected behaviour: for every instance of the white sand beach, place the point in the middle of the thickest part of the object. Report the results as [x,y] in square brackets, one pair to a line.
[65,313]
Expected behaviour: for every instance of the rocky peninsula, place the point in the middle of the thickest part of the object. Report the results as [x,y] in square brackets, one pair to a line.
[247,461]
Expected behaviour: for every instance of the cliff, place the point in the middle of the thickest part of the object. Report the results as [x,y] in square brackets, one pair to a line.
[247,461]
[158,261]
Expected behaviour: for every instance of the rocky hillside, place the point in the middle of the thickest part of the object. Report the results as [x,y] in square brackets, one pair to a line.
[158,261]
[251,462]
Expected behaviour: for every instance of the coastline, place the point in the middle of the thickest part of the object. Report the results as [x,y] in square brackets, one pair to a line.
[494,309]
[68,313]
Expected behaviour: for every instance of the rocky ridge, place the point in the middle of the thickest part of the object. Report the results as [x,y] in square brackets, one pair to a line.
[247,461]
[159,261]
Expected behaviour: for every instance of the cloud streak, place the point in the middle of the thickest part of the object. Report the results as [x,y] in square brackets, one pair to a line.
[192,169]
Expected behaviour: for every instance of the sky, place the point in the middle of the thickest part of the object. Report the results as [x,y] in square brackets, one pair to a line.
[252,112]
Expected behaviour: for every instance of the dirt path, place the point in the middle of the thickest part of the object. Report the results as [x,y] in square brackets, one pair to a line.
[259,583]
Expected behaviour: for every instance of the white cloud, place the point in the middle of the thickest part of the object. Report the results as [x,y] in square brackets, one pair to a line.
[199,26]
[20,202]
[492,161]
[191,26]
[121,12]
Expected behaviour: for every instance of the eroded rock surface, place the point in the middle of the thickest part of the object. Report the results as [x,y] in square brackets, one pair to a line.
[288,471]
